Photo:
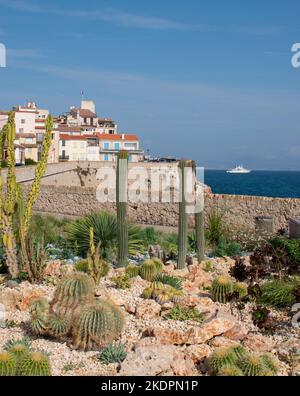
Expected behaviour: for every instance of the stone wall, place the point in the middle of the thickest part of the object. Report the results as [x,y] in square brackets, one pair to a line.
[239,211]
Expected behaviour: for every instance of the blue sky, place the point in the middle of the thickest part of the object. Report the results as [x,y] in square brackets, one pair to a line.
[208,80]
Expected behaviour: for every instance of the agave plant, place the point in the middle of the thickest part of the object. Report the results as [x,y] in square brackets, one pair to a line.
[105,233]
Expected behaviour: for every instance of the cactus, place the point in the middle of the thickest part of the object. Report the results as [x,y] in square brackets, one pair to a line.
[18,349]
[177,296]
[253,366]
[73,290]
[97,268]
[183,218]
[36,364]
[240,289]
[8,364]
[39,313]
[162,296]
[200,238]
[59,326]
[222,287]
[270,363]
[221,357]
[122,281]
[149,270]
[121,195]
[147,293]
[97,324]
[230,370]
[239,351]
[158,264]
[132,270]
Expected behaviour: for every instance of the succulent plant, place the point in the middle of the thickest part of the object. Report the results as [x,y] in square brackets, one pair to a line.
[241,289]
[158,264]
[39,313]
[149,270]
[96,325]
[112,353]
[35,364]
[169,280]
[270,363]
[122,281]
[177,296]
[185,313]
[132,270]
[13,345]
[8,364]
[74,290]
[58,326]
[221,357]
[222,288]
[162,296]
[230,370]
[253,366]
[239,351]
[147,293]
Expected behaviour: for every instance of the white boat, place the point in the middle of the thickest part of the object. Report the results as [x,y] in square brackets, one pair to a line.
[239,169]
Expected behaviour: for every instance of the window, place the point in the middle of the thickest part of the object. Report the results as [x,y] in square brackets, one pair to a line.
[21,130]
[23,121]
[117,146]
[106,146]
[130,158]
[52,136]
[63,143]
[64,153]
[111,132]
[106,157]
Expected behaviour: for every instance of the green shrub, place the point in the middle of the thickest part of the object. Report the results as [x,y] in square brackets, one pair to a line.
[185,313]
[29,161]
[277,293]
[225,248]
[113,353]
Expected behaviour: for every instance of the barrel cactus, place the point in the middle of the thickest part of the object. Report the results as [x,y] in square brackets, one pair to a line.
[240,289]
[58,325]
[253,366]
[8,364]
[149,270]
[39,313]
[222,288]
[162,296]
[132,270]
[147,293]
[221,357]
[18,349]
[35,364]
[270,363]
[74,290]
[239,351]
[96,325]
[230,370]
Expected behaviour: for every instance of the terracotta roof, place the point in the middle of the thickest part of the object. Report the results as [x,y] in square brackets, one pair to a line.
[25,135]
[105,136]
[84,113]
[40,120]
[4,112]
[40,127]
[76,137]
[29,145]
[105,120]
[66,128]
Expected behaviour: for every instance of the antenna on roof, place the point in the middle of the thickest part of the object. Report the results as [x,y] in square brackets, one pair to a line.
[81,93]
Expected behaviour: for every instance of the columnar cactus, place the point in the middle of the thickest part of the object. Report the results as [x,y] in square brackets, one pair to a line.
[183,217]
[74,290]
[36,364]
[200,238]
[121,195]
[222,287]
[8,364]
[97,324]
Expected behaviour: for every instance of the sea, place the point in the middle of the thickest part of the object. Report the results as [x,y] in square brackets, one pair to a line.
[279,184]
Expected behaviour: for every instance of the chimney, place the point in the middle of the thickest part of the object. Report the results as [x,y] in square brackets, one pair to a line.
[123,136]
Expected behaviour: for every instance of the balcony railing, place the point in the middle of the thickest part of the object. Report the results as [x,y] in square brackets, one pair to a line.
[63,158]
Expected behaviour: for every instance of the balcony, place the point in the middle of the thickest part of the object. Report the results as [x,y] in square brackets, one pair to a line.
[64,158]
[114,151]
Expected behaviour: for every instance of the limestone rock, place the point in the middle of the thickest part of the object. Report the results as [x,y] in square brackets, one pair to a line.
[147,309]
[197,352]
[10,298]
[259,343]
[238,332]
[53,268]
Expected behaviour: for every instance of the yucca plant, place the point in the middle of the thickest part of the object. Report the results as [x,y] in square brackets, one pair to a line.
[105,232]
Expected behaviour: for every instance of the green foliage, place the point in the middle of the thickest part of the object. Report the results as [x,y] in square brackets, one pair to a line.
[290,246]
[73,290]
[39,313]
[147,293]
[225,248]
[105,233]
[230,370]
[35,364]
[253,366]
[112,353]
[8,364]
[18,349]
[260,316]
[58,325]
[122,281]
[29,161]
[270,363]
[221,357]
[240,289]
[132,270]
[222,288]
[277,293]
[149,236]
[185,313]
[149,269]
[51,229]
[208,266]
[162,296]
[215,230]
[97,267]
[96,325]
[169,280]
[158,264]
